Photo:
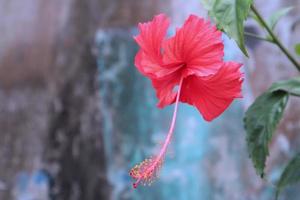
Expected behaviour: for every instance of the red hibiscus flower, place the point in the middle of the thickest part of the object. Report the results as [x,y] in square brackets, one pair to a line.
[187,67]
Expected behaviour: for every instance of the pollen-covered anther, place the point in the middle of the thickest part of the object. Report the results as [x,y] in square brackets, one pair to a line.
[146,172]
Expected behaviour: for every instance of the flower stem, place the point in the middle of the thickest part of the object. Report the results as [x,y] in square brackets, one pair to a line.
[258,37]
[171,130]
[160,157]
[275,38]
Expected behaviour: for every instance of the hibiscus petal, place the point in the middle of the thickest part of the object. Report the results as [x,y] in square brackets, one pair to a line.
[198,44]
[149,58]
[165,89]
[152,69]
[213,94]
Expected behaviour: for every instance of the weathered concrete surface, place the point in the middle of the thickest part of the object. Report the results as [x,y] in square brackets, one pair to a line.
[49,107]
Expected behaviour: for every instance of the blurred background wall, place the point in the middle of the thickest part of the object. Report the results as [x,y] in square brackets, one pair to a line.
[51,141]
[75,115]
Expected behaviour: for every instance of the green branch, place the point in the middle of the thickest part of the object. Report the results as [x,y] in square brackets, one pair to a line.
[275,39]
[258,37]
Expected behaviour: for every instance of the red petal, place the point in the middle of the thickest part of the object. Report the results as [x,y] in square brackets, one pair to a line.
[153,69]
[149,58]
[198,44]
[165,89]
[213,94]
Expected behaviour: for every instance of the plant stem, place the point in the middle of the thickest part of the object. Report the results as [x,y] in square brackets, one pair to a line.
[152,168]
[275,38]
[258,37]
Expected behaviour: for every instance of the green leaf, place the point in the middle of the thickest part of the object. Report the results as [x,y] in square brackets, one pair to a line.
[291,86]
[275,17]
[290,175]
[297,49]
[208,4]
[263,116]
[229,16]
[260,122]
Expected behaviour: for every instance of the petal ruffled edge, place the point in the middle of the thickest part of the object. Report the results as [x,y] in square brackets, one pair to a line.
[152,35]
[149,58]
[213,94]
[199,44]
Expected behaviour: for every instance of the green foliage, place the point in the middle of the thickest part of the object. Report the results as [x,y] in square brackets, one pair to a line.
[272,20]
[229,16]
[253,16]
[290,175]
[276,16]
[263,116]
[291,86]
[260,122]
[297,49]
[208,4]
